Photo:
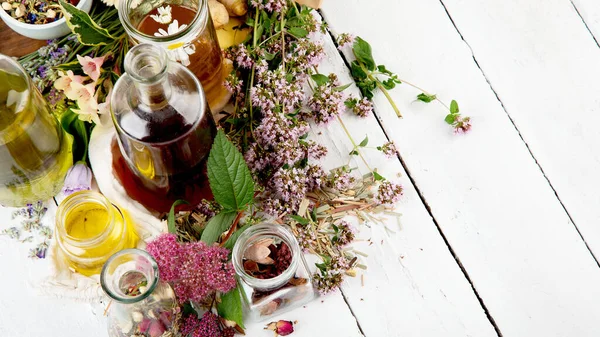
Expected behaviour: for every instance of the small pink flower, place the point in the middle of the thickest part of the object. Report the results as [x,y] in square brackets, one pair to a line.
[91,66]
[66,81]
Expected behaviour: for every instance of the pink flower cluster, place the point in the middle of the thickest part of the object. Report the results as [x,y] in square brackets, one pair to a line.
[194,269]
[289,186]
[340,179]
[269,5]
[389,149]
[345,39]
[388,193]
[207,326]
[326,104]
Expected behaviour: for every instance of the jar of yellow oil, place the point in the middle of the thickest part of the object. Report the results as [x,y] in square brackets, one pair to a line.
[89,229]
[35,152]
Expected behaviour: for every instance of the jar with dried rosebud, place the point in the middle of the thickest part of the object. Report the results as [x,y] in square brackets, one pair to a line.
[274,275]
[141,304]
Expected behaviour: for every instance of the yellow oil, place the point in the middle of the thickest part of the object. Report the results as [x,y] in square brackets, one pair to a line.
[35,153]
[95,235]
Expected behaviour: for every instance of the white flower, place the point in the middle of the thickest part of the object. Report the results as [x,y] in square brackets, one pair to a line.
[164,15]
[179,51]
[110,3]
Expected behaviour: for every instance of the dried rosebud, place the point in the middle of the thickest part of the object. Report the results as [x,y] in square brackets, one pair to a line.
[281,327]
[78,178]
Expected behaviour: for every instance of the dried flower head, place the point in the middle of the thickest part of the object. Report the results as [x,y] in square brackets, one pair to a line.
[345,39]
[389,149]
[388,193]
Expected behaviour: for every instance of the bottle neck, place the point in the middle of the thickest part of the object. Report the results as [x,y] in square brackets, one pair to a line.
[129,276]
[154,95]
[147,66]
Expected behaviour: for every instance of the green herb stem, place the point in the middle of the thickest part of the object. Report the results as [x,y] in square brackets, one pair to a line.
[354,143]
[425,92]
[387,94]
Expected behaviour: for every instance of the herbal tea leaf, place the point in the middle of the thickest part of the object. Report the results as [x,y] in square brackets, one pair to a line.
[454,107]
[298,32]
[357,72]
[216,226]
[377,176]
[230,307]
[171,217]
[342,87]
[426,98]
[363,53]
[364,142]
[300,220]
[450,119]
[320,79]
[228,175]
[233,238]
[87,31]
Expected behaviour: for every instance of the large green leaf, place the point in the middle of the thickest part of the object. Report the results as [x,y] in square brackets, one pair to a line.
[229,176]
[230,307]
[216,226]
[171,218]
[87,31]
[363,53]
[76,127]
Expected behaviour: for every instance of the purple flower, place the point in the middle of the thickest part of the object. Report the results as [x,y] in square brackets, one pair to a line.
[325,105]
[42,71]
[340,179]
[363,108]
[345,39]
[79,178]
[389,149]
[388,193]
[462,125]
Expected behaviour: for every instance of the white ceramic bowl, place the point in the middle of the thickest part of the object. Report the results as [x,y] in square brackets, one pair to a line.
[47,31]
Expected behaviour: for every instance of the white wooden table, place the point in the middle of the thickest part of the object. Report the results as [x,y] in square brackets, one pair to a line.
[499,227]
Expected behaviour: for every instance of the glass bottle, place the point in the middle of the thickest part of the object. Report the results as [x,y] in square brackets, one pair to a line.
[164,131]
[90,229]
[35,152]
[189,38]
[142,305]
[265,298]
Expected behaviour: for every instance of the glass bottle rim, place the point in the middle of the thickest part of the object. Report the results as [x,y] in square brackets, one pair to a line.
[254,234]
[147,48]
[150,286]
[199,22]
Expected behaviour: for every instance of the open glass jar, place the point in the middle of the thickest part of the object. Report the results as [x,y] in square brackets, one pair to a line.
[90,229]
[272,294]
[143,305]
[35,152]
[189,37]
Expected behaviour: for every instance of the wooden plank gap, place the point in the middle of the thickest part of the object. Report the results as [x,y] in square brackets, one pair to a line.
[352,312]
[519,131]
[585,23]
[422,197]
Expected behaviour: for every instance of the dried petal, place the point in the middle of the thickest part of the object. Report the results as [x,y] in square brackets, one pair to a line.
[257,252]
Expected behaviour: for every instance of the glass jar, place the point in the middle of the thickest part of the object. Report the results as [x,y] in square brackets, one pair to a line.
[35,152]
[189,38]
[142,305]
[164,131]
[90,229]
[265,298]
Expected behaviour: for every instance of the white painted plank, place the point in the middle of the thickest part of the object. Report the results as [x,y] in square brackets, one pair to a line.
[413,286]
[492,202]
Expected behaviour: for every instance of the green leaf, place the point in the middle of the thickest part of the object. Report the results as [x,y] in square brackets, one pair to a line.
[389,84]
[228,175]
[171,217]
[320,79]
[357,71]
[342,87]
[259,32]
[450,118]
[230,307]
[298,32]
[87,31]
[353,153]
[300,220]
[351,102]
[233,238]
[377,176]
[216,226]
[75,127]
[364,142]
[426,98]
[454,107]
[363,53]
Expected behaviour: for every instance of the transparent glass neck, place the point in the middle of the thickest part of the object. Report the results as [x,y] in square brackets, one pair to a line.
[129,276]
[255,234]
[147,65]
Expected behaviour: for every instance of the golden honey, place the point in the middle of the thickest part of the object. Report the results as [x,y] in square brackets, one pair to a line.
[90,229]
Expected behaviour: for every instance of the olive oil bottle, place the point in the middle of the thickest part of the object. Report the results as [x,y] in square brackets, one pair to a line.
[35,152]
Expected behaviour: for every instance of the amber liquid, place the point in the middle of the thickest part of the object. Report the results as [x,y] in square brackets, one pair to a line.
[206,59]
[170,164]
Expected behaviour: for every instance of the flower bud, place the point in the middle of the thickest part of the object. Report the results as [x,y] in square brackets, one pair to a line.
[281,327]
[78,178]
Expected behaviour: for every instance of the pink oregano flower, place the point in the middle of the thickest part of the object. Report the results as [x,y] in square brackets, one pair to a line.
[91,66]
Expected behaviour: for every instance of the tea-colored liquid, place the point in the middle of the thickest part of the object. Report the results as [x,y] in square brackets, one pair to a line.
[171,163]
[35,153]
[205,58]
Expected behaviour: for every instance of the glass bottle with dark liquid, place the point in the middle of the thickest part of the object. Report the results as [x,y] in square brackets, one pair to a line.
[189,38]
[164,131]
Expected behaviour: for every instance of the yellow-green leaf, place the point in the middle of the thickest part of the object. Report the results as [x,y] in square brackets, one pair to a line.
[87,31]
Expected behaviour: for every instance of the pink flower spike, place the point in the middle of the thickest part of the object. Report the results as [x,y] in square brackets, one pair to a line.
[91,66]
[65,83]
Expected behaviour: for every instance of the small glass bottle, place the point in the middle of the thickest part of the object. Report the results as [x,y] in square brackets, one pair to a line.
[90,229]
[164,131]
[35,152]
[265,298]
[142,305]
[189,38]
